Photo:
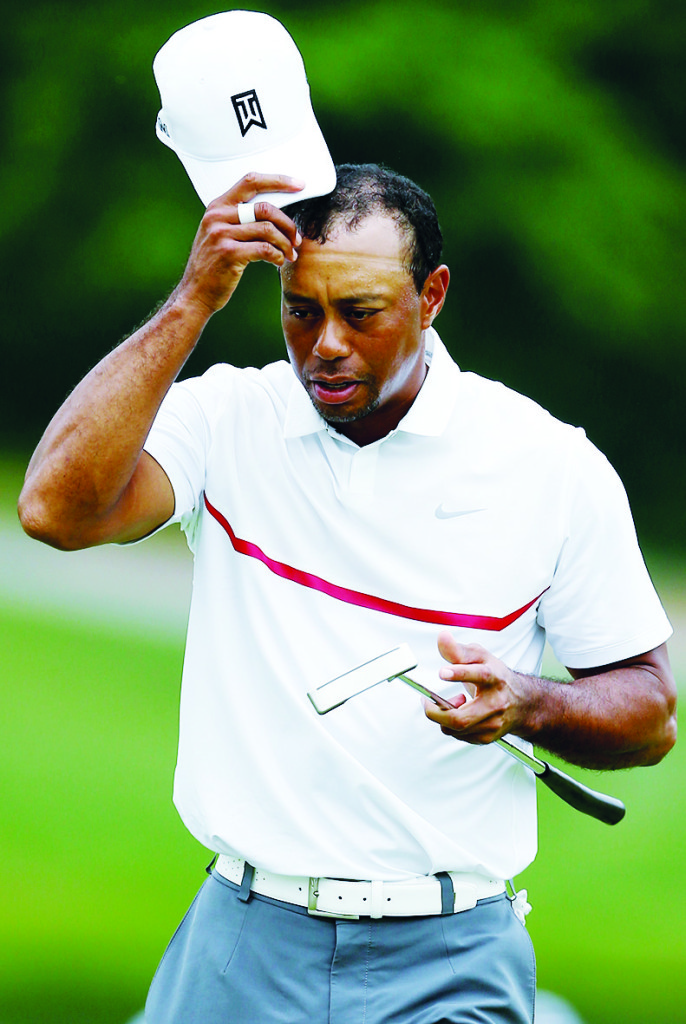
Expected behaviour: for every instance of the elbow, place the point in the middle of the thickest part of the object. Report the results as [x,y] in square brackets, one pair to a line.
[39,523]
[664,736]
[664,743]
[663,718]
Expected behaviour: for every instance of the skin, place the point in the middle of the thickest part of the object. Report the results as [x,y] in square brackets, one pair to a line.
[89,481]
[354,326]
[613,716]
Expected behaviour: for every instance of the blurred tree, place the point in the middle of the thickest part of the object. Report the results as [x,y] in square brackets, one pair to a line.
[550,136]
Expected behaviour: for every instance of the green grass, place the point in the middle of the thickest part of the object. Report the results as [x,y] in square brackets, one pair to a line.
[98,869]
[609,908]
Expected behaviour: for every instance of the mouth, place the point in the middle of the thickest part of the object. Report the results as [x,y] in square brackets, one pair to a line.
[334,392]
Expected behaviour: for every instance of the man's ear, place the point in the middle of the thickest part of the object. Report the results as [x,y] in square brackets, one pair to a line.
[433,295]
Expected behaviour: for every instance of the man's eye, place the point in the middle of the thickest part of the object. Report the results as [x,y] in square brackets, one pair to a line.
[360,314]
[300,314]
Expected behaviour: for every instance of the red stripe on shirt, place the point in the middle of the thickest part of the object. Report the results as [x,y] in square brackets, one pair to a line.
[378,604]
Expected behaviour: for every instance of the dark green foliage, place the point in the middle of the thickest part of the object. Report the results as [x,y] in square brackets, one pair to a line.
[550,135]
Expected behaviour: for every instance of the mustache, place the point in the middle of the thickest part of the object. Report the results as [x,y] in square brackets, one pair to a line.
[335,376]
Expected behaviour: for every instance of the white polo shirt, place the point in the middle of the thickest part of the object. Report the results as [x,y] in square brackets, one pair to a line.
[480,512]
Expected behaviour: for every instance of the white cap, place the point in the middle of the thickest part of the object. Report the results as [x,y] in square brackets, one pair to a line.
[235,99]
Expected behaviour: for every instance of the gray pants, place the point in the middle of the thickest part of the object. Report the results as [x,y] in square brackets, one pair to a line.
[265,962]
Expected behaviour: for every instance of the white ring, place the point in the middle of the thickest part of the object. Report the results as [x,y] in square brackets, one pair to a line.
[246,213]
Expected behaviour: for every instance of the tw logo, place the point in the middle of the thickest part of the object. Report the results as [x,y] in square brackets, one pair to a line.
[248,111]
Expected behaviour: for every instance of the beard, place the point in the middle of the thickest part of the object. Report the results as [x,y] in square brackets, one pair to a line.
[333,414]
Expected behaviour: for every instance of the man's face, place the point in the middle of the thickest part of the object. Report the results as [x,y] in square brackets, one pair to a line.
[353,324]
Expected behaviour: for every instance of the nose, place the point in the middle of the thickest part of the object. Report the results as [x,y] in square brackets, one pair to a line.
[331,341]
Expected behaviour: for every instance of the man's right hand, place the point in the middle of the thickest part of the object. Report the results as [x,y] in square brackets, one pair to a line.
[89,481]
[224,247]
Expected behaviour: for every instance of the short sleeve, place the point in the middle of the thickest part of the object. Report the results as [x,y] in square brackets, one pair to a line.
[601,606]
[180,439]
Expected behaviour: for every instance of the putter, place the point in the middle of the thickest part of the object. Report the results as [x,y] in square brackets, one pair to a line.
[396,664]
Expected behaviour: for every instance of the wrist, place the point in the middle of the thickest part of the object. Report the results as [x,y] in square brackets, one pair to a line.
[185,306]
[531,704]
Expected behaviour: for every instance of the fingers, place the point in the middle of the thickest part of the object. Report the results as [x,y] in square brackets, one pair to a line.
[253,184]
[257,222]
[275,236]
[461,723]
[231,237]
[455,702]
[469,663]
[238,201]
[489,714]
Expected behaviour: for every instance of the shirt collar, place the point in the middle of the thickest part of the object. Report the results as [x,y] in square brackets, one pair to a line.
[427,416]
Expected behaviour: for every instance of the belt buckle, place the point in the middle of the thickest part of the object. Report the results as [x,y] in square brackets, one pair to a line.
[313,896]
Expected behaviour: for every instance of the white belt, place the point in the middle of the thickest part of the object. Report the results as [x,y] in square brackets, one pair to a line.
[334,897]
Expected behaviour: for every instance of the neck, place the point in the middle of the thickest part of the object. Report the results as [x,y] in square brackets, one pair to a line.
[378,423]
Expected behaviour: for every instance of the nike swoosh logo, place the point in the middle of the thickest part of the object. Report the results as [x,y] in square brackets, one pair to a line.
[444,513]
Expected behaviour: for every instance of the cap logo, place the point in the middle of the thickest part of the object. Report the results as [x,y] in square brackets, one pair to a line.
[248,111]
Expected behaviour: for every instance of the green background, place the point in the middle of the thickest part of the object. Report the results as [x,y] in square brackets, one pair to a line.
[552,137]
[98,869]
[550,134]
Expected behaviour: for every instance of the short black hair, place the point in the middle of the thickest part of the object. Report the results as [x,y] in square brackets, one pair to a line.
[365,189]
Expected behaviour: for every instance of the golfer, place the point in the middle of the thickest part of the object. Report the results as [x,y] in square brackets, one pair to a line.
[362,494]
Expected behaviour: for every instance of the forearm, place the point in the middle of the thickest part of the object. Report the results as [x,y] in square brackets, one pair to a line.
[87,483]
[616,716]
[619,718]
[89,452]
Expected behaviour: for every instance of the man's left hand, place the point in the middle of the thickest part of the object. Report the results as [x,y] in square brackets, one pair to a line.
[501,697]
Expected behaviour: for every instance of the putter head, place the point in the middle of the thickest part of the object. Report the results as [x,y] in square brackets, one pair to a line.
[334,693]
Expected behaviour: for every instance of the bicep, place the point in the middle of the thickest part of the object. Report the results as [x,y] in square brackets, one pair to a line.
[648,678]
[655,662]
[146,504]
[639,696]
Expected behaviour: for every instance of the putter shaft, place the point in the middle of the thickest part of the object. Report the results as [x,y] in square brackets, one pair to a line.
[396,664]
[588,801]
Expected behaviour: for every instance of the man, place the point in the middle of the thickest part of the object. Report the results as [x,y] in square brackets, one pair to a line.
[367,495]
